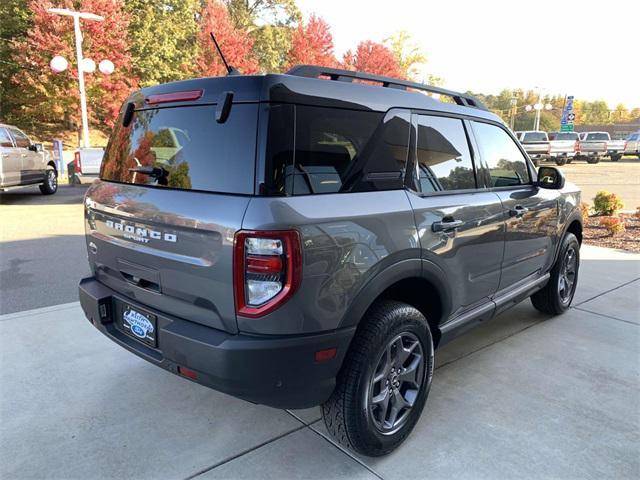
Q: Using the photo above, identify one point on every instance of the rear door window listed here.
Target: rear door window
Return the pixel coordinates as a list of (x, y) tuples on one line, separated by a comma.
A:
[(185, 148), (506, 164), (334, 150), (597, 137), (443, 155)]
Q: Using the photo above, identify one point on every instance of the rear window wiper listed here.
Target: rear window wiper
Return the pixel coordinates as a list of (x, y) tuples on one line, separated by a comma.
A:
[(151, 171)]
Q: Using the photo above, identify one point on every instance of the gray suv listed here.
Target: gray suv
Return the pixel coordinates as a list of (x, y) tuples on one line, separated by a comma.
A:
[(311, 238)]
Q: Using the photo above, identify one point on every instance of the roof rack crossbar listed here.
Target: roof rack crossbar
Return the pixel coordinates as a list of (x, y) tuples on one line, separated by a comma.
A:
[(315, 71)]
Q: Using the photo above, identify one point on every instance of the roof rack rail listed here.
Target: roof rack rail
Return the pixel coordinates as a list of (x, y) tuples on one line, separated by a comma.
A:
[(315, 71)]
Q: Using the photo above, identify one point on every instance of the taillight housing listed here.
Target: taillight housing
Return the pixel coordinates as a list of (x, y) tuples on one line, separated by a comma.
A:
[(576, 147), (267, 268), (626, 144), (76, 162)]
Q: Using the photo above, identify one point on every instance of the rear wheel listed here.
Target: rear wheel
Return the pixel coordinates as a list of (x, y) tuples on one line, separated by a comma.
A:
[(615, 158), (384, 382), (593, 160), (555, 298), (561, 161), (50, 185)]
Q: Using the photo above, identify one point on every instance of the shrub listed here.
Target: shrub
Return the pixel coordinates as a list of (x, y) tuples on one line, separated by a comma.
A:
[(584, 207), (614, 225), (605, 203)]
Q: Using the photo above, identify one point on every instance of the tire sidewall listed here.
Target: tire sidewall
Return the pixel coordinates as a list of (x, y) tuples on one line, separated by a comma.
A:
[(402, 319), (47, 188), (569, 240)]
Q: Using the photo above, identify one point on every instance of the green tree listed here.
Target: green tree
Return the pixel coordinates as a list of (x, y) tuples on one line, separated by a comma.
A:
[(408, 54), (15, 21), (270, 23), (162, 36)]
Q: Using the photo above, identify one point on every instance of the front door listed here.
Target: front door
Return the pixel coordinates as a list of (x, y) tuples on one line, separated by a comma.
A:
[(30, 169), (460, 225), (530, 212), (10, 158)]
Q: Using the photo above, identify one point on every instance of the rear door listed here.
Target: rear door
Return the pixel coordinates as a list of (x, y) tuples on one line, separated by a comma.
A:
[(460, 224), (161, 223), (10, 158), (530, 212), (30, 161)]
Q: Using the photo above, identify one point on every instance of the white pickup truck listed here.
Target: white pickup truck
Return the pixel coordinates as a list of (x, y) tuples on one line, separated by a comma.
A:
[(86, 165), (593, 146), (563, 146)]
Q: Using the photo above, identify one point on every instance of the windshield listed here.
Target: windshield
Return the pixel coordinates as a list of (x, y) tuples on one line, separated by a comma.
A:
[(597, 136), (185, 148), (535, 137), (566, 136)]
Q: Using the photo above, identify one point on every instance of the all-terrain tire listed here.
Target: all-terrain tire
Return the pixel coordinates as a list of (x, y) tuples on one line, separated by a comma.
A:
[(50, 185), (346, 414), (550, 299)]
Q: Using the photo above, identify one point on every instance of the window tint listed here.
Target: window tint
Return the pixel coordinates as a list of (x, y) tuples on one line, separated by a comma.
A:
[(506, 164), (188, 149), (597, 136), (443, 156), (5, 139), (21, 139), (336, 150), (535, 137), (566, 136)]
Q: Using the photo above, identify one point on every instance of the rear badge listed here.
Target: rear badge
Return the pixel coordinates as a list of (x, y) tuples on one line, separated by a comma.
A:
[(140, 234)]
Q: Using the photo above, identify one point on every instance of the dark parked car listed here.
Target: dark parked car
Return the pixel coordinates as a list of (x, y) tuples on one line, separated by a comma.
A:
[(312, 238)]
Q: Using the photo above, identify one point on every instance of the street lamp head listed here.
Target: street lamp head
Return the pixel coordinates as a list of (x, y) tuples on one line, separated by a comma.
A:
[(58, 64), (528, 108), (548, 106), (106, 67), (88, 65)]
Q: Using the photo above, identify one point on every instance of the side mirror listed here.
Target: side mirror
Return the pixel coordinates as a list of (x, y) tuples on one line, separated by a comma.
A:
[(36, 147), (551, 178)]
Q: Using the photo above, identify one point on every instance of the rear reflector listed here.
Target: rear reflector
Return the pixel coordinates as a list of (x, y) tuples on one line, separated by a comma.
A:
[(185, 372), (326, 354), (187, 96)]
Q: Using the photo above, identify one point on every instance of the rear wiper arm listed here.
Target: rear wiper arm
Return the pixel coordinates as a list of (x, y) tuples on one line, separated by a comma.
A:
[(151, 171)]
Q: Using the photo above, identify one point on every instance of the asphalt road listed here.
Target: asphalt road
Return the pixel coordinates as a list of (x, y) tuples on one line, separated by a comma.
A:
[(42, 249), (621, 178)]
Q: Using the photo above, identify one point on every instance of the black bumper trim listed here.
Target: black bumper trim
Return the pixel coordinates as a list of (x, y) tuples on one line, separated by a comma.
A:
[(279, 371)]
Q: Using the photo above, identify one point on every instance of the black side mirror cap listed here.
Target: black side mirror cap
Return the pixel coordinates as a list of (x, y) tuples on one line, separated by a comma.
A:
[(550, 178)]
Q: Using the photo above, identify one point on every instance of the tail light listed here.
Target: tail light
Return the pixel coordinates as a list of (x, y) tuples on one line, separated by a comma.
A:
[(576, 147), (267, 268), (77, 166), (548, 149), (606, 147), (625, 146)]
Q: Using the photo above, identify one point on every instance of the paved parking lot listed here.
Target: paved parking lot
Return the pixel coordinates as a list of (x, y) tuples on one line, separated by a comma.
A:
[(521, 397)]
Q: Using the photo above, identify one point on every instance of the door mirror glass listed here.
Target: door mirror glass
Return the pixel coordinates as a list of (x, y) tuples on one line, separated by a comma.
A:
[(551, 178), (36, 147)]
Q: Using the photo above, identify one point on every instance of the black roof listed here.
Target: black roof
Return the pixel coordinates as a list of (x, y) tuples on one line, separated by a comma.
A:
[(305, 85)]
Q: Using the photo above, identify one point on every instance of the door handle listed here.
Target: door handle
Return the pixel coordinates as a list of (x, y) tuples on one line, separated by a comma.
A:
[(446, 225), (518, 211)]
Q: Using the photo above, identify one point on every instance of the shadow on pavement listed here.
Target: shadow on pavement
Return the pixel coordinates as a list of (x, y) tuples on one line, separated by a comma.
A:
[(65, 195)]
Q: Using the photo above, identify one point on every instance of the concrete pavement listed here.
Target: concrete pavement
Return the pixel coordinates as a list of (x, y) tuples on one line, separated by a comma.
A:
[(524, 396)]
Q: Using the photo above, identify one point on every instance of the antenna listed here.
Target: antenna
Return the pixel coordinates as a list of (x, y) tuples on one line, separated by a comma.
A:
[(230, 69)]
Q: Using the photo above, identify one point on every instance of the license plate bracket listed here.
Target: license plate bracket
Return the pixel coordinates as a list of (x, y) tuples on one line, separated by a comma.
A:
[(141, 325)]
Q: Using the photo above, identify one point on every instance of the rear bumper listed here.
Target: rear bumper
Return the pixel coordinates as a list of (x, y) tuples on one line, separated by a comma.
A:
[(277, 371)]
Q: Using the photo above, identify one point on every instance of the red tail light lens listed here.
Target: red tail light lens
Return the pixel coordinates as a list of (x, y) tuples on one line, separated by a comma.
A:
[(267, 269), (576, 147), (76, 162)]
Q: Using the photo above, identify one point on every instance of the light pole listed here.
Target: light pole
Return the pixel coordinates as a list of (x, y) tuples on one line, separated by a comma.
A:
[(514, 106), (78, 38)]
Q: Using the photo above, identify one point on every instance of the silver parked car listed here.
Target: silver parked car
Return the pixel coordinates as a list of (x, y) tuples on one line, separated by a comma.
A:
[(632, 144), (23, 162)]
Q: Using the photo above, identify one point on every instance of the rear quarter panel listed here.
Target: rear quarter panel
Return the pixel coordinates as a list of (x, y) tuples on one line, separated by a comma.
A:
[(347, 239)]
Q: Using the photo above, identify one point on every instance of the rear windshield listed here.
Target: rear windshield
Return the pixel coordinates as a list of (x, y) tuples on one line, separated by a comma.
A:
[(185, 148), (634, 136), (566, 136), (535, 137), (597, 136)]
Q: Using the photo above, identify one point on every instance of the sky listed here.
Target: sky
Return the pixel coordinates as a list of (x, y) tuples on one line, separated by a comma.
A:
[(583, 48)]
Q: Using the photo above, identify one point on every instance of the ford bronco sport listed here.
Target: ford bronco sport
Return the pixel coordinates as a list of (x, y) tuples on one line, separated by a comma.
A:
[(311, 238)]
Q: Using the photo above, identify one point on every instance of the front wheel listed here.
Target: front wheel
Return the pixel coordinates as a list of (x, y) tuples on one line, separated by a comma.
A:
[(555, 298), (50, 185), (384, 382)]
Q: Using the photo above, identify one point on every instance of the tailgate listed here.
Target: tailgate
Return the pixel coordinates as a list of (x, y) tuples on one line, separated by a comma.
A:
[(90, 160), (173, 253)]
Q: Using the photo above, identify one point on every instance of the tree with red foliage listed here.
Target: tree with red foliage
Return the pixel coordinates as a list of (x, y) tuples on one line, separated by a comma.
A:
[(372, 57), (49, 96), (235, 44), (312, 44)]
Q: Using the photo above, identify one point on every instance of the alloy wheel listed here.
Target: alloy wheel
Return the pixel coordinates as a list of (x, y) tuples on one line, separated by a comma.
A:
[(567, 279)]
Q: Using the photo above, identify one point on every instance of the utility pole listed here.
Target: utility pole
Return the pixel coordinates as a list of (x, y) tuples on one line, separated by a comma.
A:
[(512, 119), (78, 39)]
